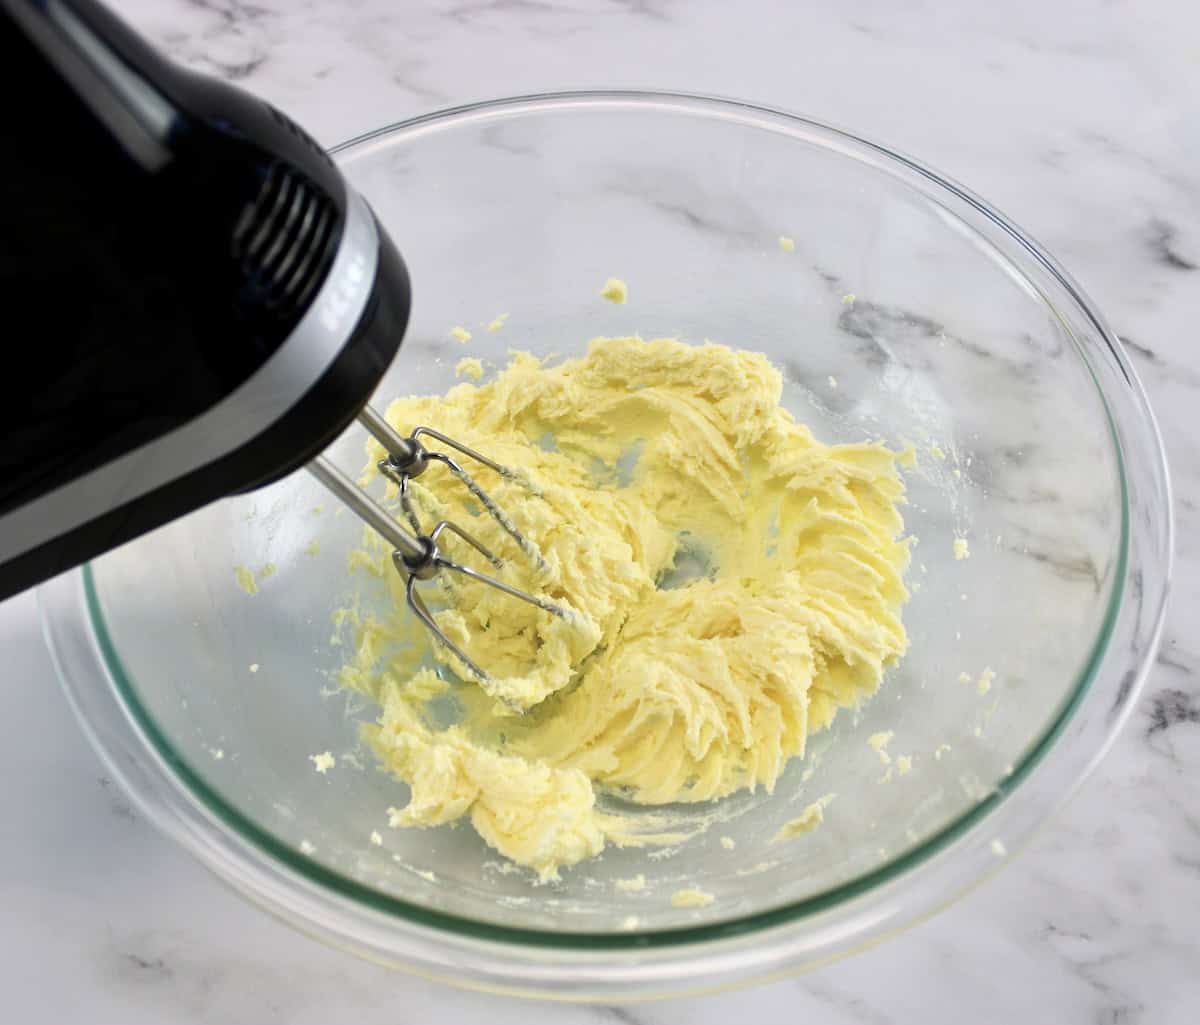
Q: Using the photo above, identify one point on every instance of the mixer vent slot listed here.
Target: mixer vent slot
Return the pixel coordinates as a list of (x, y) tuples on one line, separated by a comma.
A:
[(283, 241)]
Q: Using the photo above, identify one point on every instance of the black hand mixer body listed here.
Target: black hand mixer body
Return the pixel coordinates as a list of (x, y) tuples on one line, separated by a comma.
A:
[(196, 302)]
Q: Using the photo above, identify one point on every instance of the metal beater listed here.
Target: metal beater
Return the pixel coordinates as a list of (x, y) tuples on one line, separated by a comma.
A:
[(223, 303), (416, 554)]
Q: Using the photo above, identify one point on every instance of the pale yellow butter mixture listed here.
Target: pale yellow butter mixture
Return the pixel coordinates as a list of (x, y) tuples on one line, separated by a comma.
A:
[(734, 582)]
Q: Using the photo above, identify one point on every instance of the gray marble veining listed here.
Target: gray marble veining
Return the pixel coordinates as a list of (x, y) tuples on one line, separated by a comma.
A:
[(1079, 119)]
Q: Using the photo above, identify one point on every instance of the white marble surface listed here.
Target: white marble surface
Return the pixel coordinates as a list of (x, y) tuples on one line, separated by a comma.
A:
[(1079, 119)]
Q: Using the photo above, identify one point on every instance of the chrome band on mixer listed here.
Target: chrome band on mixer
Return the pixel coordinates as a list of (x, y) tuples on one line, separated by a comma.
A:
[(245, 413)]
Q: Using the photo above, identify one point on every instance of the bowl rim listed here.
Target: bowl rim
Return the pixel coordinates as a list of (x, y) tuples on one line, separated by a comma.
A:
[(201, 803)]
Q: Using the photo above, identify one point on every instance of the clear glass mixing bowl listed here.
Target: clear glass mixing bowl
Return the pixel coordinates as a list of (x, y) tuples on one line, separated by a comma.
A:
[(908, 310)]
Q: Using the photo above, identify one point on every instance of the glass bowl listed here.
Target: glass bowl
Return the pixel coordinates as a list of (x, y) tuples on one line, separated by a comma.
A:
[(904, 309)]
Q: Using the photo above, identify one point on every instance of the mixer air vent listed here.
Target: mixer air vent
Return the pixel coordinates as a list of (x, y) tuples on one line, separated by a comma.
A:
[(284, 241)]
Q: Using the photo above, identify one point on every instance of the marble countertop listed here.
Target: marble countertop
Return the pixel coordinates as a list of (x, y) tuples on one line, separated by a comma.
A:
[(1081, 120)]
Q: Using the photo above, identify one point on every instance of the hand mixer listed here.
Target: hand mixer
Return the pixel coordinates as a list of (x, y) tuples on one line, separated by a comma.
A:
[(200, 304)]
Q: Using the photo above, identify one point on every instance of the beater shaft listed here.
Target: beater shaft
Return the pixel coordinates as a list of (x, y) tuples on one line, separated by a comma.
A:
[(416, 554), (369, 511)]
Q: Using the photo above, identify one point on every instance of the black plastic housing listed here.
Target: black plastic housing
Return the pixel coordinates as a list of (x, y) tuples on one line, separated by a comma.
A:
[(162, 233)]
